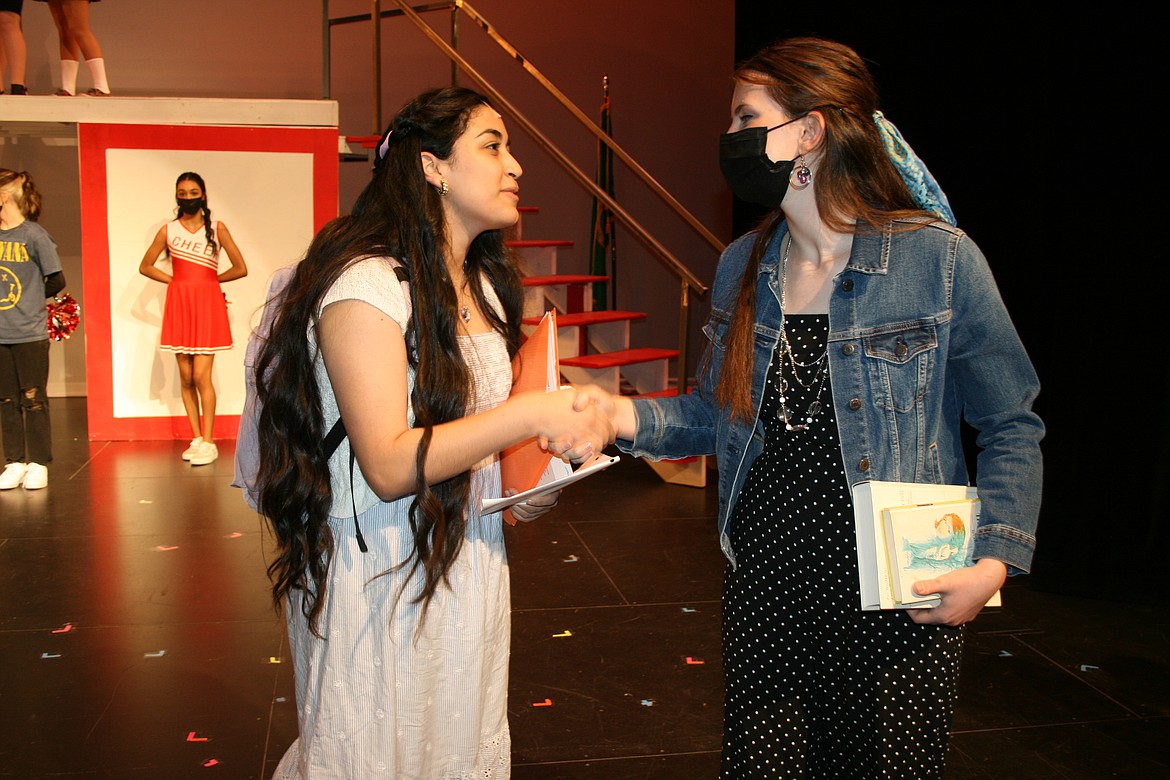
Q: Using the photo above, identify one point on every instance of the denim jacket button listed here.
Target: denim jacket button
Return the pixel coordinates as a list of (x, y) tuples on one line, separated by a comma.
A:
[(847, 285), (855, 404), (848, 349), (863, 465)]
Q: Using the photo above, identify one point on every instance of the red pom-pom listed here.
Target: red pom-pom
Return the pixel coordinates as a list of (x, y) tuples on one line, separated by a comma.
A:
[(64, 316)]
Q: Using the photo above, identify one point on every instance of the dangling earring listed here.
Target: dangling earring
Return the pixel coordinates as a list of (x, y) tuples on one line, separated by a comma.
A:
[(443, 188), (801, 175)]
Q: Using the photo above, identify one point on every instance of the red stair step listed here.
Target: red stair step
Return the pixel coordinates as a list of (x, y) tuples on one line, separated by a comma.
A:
[(589, 318), (623, 357), (558, 279)]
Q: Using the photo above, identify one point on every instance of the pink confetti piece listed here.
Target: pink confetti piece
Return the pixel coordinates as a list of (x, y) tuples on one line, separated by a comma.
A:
[(211, 762), (192, 738), (545, 703), (234, 535), (65, 629), (695, 661), (160, 548), (566, 632)]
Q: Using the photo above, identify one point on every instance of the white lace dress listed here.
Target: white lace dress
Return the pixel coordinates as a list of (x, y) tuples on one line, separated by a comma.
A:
[(380, 696)]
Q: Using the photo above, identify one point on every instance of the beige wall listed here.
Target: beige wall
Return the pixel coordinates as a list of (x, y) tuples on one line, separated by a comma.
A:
[(668, 67)]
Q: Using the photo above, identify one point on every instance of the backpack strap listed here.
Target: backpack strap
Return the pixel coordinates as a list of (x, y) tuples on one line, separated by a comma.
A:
[(334, 438), (337, 433)]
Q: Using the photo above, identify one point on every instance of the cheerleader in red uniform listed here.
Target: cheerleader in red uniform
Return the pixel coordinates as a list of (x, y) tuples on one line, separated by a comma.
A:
[(195, 321)]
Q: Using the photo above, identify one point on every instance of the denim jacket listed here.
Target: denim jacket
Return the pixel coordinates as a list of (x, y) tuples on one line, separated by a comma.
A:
[(919, 340)]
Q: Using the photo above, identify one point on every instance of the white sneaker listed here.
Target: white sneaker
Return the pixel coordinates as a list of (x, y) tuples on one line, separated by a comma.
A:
[(36, 477), (206, 453), (13, 475), (190, 451)]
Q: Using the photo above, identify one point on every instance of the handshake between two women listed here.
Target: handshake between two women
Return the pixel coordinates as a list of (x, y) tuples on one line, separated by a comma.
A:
[(585, 420)]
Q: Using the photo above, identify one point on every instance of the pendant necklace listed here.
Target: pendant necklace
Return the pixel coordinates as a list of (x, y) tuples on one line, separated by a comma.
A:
[(821, 364), (465, 314)]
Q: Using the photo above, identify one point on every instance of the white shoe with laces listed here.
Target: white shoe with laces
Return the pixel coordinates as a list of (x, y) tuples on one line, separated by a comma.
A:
[(190, 451), (207, 453), (13, 475), (36, 477)]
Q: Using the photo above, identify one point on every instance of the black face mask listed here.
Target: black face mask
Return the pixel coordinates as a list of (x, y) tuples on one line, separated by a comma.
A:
[(747, 169), (190, 205)]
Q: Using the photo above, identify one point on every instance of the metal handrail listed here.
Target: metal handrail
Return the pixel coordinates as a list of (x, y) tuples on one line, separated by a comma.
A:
[(327, 25), (688, 281), (572, 108), (543, 142)]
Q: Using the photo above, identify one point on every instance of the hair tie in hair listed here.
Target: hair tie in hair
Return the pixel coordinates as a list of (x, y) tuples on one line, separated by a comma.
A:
[(923, 186)]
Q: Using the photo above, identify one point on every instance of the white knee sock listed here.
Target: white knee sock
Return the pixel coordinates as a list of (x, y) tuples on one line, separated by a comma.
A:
[(97, 72), (69, 76)]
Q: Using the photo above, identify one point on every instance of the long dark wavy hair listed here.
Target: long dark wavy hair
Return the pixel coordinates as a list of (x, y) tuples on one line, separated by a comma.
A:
[(857, 186), (207, 229), (397, 215)]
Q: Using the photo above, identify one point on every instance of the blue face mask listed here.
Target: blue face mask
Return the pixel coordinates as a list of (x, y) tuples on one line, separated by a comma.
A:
[(749, 173)]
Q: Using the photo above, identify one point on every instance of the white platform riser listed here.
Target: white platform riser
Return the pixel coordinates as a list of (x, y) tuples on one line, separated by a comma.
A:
[(605, 378), (648, 377)]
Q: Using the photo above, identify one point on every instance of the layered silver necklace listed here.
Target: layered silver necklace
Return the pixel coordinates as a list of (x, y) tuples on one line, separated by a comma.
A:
[(816, 371)]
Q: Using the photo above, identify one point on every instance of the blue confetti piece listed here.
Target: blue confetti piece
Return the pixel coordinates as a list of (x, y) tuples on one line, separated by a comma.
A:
[(50, 655), (571, 559), (688, 609), (647, 702), (1087, 667), (159, 654), (1004, 654)]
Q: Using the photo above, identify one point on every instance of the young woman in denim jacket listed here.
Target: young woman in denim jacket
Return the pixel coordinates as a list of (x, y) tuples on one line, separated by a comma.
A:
[(849, 336)]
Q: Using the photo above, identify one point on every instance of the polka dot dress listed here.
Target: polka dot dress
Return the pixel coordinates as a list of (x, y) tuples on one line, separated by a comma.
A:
[(816, 688)]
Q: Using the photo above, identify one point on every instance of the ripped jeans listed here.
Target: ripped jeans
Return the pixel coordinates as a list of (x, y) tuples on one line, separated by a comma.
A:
[(24, 407)]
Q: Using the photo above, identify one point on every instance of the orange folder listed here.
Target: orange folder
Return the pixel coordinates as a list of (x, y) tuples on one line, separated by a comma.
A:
[(535, 367)]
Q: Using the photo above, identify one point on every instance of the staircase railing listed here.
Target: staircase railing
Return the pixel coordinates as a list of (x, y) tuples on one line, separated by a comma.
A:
[(688, 282)]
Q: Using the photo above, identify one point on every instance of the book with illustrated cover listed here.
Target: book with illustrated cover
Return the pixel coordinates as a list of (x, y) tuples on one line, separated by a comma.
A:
[(926, 540), (876, 575)]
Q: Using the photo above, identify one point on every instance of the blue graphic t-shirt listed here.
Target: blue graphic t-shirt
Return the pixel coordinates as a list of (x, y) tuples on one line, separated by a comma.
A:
[(27, 255)]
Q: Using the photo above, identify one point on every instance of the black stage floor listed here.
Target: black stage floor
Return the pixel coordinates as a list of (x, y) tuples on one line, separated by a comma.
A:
[(137, 638)]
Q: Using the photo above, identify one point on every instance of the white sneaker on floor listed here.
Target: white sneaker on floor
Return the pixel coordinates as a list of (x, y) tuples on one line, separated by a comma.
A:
[(206, 453), (13, 475), (190, 451), (36, 477)]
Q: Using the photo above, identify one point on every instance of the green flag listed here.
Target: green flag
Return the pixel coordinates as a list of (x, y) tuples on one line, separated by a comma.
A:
[(602, 242)]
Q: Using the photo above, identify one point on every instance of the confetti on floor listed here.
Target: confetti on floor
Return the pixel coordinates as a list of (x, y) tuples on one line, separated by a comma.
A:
[(192, 738), (65, 629), (545, 703)]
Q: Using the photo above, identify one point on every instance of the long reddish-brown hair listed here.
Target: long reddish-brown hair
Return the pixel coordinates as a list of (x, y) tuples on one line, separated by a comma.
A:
[(857, 186)]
